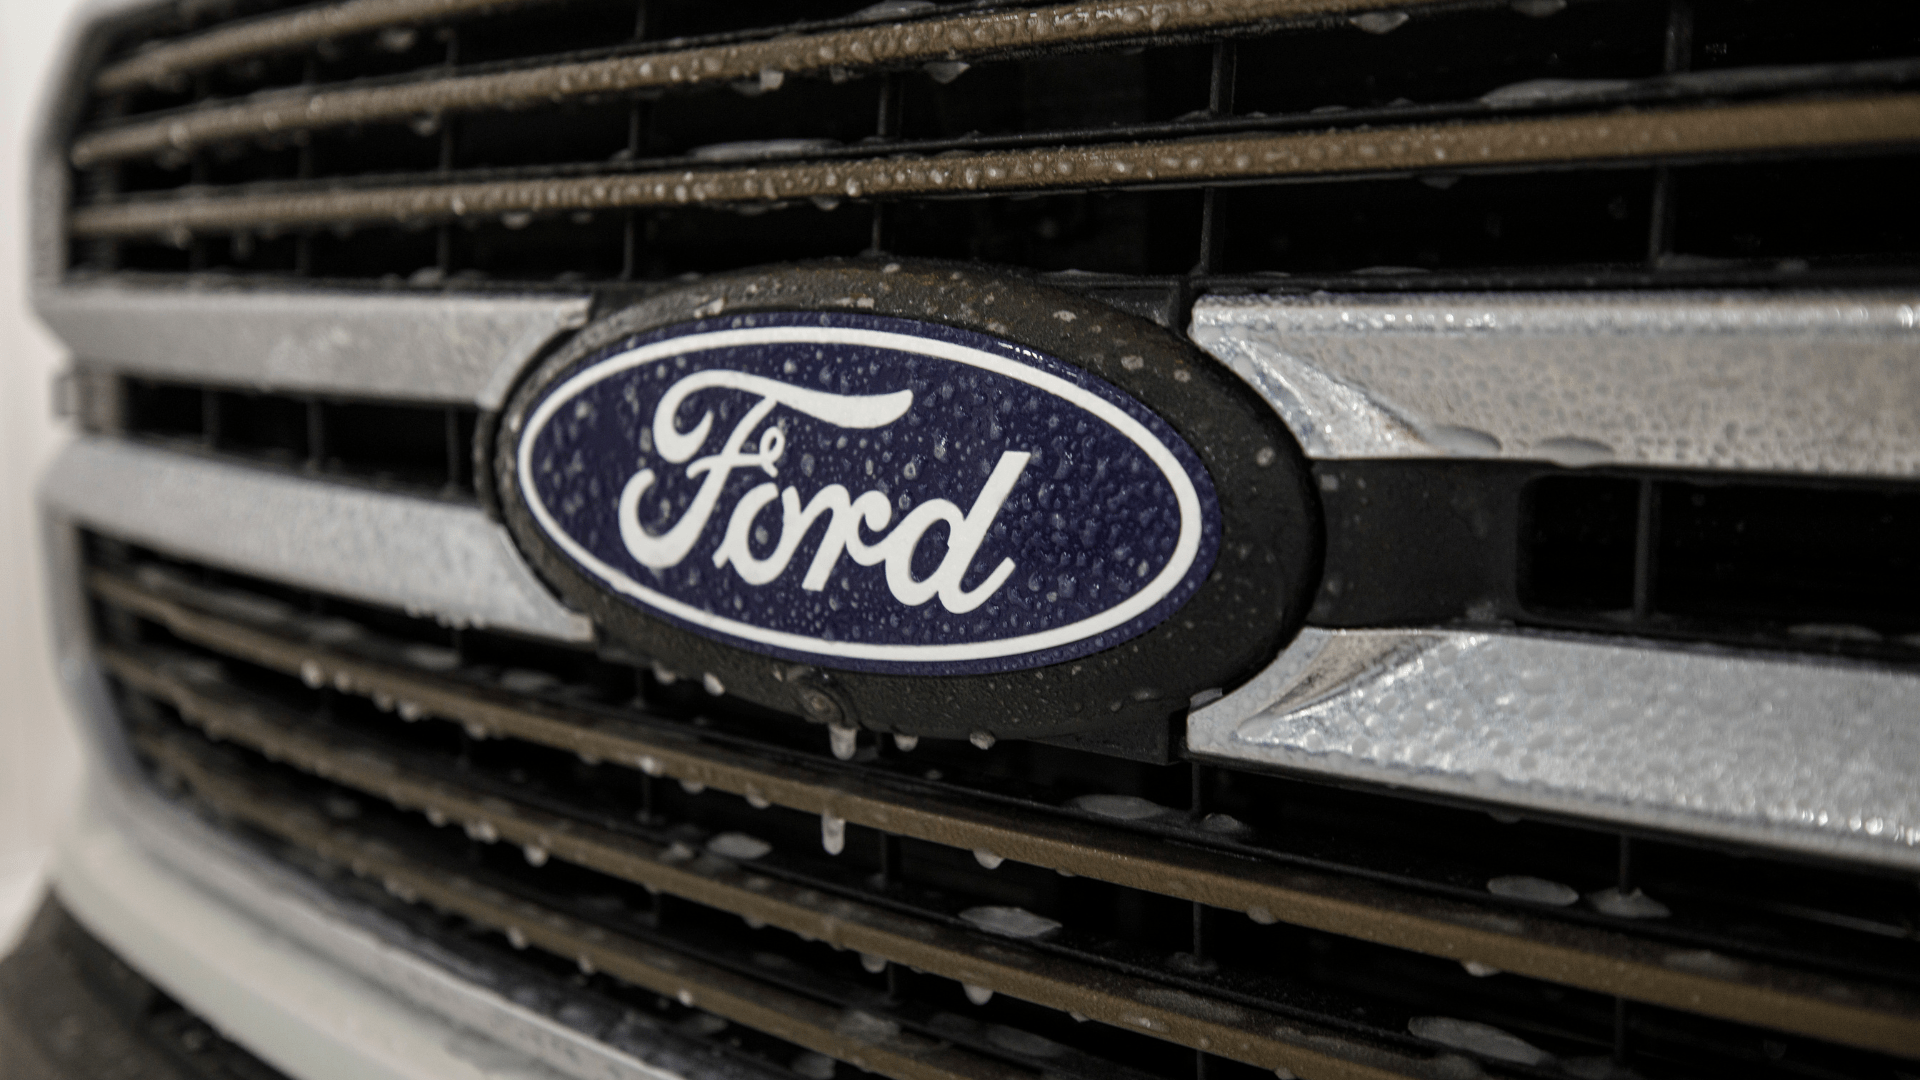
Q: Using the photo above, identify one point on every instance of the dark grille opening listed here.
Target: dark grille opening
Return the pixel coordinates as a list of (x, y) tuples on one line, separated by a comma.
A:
[(1797, 561), (1743, 33), (1822, 562), (426, 448), (1144, 233), (164, 409), (1061, 93), (1739, 903), (1580, 554), (1809, 210), (1438, 222), (1813, 565), (1459, 58)]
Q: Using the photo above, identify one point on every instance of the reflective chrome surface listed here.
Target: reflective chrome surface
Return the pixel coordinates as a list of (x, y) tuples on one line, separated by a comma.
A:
[(434, 558), (1816, 757), (1821, 384), (424, 347)]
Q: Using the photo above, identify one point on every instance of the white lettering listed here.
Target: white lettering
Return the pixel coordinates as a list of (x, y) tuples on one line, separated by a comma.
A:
[(846, 515)]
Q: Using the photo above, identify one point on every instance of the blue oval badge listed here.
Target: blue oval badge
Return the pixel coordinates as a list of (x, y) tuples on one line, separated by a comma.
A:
[(869, 493)]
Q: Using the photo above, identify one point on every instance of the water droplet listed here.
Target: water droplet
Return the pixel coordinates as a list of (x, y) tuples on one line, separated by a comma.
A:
[(1380, 22), (757, 800), (1122, 807), (713, 685), (945, 71), (692, 787), (1479, 970), (906, 743), (844, 740), (873, 964), (1539, 9), (1477, 1038), (516, 937), (482, 831), (411, 711), (738, 845), (312, 674), (979, 995), (1627, 905), (649, 765), (981, 739), (685, 997), (1533, 890), (536, 855), (1262, 916), (814, 1066), (1078, 1018), (436, 817), (1010, 921), (585, 964), (833, 834), (987, 858)]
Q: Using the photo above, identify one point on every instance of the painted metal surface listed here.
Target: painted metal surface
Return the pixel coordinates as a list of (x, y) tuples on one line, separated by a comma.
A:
[(1818, 383), (439, 559), (424, 347), (1786, 753)]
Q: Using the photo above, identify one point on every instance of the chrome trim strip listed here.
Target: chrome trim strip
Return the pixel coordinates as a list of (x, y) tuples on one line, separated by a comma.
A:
[(1826, 384), (1815, 757), (426, 347), (1597, 139), (440, 559)]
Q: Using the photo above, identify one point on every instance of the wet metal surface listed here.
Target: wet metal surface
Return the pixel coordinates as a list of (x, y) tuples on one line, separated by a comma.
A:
[(967, 37), (1540, 947), (1590, 139)]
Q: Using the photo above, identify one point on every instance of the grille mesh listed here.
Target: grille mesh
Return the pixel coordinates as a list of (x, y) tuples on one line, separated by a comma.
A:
[(587, 786), (527, 145)]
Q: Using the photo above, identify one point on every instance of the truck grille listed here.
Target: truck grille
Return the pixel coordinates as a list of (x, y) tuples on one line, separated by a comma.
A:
[(1088, 906), (1230, 141), (630, 821)]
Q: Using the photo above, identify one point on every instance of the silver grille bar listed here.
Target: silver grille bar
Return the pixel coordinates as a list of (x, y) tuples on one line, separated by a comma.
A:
[(1816, 383), (440, 559), (456, 348)]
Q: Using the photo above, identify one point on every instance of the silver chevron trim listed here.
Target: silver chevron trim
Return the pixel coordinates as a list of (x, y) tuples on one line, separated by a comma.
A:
[(432, 558), (1810, 756), (1825, 384), (428, 347)]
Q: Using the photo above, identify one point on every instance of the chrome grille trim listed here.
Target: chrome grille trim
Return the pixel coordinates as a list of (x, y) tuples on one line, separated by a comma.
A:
[(458, 348), (1653, 135), (1798, 755), (442, 559), (1824, 384)]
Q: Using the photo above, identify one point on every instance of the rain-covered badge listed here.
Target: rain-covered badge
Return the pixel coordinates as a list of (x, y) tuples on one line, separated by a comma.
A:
[(869, 493)]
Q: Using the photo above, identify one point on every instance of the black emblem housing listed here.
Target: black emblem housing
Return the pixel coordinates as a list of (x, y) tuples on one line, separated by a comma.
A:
[(1249, 606)]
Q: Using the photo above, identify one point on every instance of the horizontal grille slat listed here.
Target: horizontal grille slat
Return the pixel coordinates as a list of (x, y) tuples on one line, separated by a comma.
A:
[(1679, 134), (1001, 966), (790, 1016), (167, 61), (964, 37), (444, 559)]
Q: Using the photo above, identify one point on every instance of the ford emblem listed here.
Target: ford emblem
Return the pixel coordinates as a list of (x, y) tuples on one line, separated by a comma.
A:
[(823, 494)]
